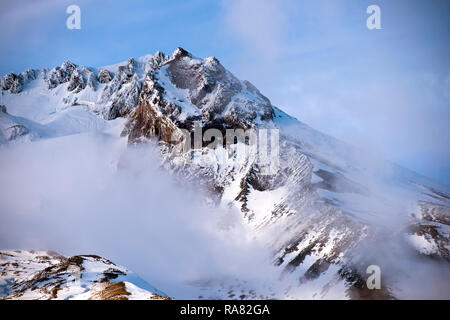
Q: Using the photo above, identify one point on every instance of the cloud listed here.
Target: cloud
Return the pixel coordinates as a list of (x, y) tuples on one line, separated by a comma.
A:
[(404, 119), (90, 194)]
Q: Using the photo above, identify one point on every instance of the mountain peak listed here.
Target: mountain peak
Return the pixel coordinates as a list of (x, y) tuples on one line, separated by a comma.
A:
[(183, 90), (180, 52)]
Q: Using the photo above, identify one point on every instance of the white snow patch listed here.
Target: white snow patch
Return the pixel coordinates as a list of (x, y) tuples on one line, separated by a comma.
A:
[(422, 244)]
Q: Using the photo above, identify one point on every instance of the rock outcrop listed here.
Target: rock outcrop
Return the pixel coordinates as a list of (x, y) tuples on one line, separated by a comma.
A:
[(47, 275)]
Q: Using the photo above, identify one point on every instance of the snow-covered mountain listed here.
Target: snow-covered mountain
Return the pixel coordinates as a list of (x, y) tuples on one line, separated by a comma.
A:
[(328, 211), (44, 275)]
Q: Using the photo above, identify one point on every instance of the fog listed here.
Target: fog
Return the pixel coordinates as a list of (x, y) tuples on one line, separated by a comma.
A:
[(91, 194), (94, 194)]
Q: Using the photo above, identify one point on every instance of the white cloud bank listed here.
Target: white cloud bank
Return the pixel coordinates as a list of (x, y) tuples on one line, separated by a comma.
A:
[(90, 194)]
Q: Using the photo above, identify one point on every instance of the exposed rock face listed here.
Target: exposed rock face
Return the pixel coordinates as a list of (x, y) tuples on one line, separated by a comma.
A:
[(28, 75), (16, 131), (212, 89), (104, 76), (154, 116), (11, 83), (77, 76), (59, 75), (430, 230), (76, 82), (128, 94), (47, 275), (122, 92)]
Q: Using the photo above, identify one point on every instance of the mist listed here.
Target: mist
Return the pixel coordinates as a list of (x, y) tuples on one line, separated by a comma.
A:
[(92, 194)]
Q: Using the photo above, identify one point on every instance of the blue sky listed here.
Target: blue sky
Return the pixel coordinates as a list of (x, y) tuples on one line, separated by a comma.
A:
[(388, 89)]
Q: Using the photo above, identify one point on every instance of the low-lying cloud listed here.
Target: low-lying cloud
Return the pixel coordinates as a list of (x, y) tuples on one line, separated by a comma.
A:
[(90, 194)]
